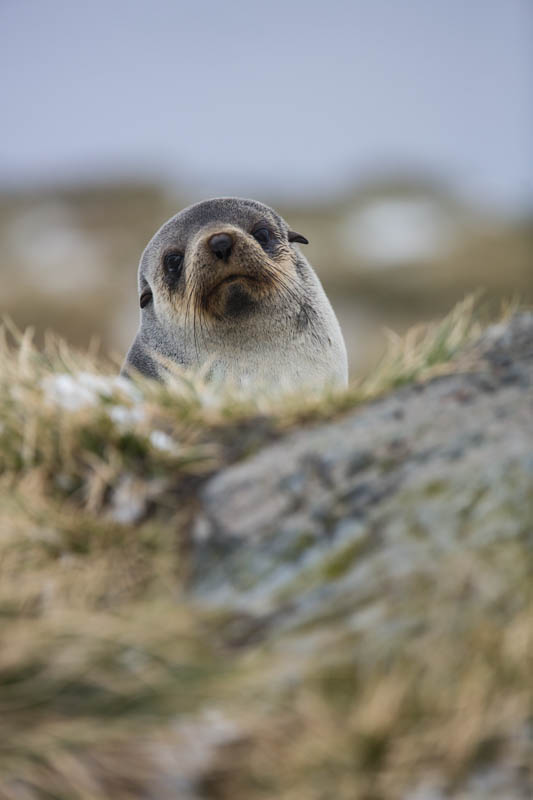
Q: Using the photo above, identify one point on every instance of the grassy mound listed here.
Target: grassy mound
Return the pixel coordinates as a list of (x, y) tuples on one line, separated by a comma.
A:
[(114, 683)]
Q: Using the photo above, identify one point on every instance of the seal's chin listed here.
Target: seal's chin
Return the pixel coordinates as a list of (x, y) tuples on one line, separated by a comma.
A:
[(234, 296), (239, 302)]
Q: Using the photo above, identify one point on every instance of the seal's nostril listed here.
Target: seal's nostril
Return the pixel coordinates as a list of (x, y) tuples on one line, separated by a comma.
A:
[(221, 244)]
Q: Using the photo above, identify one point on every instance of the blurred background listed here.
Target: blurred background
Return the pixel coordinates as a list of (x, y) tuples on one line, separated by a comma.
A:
[(396, 136)]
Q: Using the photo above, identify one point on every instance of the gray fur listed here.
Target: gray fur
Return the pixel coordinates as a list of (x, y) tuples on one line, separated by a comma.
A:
[(285, 336)]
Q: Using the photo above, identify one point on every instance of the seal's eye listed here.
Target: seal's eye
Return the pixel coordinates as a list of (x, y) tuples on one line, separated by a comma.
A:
[(172, 263), (262, 235)]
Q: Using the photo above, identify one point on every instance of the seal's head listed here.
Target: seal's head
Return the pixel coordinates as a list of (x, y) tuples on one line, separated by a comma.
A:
[(222, 283)]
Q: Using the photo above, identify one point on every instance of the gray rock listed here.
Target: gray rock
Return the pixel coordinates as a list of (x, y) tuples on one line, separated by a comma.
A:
[(390, 537), (450, 471)]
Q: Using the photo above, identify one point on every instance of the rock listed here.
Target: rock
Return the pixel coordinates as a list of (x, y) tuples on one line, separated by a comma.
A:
[(392, 545), (424, 470)]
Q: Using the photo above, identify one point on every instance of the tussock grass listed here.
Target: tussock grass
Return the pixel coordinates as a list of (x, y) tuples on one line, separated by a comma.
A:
[(110, 678), (64, 416)]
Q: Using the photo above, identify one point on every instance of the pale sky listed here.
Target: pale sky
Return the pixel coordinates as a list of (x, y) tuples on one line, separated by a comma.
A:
[(279, 99)]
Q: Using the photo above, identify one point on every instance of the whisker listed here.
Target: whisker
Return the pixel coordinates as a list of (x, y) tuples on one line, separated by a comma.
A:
[(281, 282), (188, 299), (285, 286), (199, 317)]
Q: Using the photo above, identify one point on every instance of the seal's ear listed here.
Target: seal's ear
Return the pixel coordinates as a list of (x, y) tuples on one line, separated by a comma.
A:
[(297, 237), (146, 296)]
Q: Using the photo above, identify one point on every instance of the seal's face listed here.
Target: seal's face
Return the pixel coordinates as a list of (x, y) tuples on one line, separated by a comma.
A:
[(216, 262), (223, 287)]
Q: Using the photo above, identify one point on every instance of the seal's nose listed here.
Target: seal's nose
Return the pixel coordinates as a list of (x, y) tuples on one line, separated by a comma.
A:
[(221, 244)]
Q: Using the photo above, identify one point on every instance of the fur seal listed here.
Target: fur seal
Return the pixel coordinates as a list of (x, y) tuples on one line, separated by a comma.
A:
[(223, 286)]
